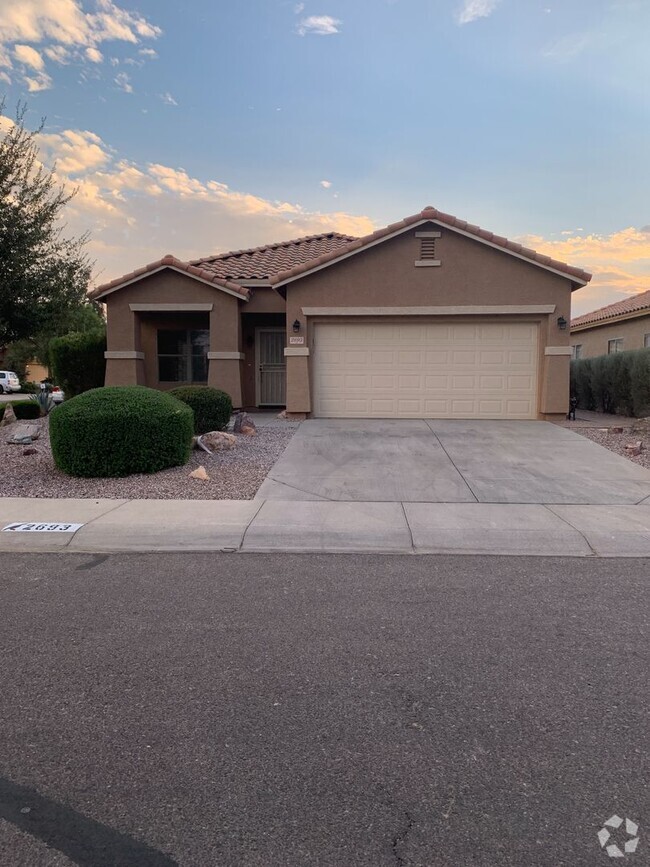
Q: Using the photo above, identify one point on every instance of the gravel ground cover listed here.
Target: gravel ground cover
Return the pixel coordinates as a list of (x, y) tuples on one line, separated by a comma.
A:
[(616, 442), (234, 475)]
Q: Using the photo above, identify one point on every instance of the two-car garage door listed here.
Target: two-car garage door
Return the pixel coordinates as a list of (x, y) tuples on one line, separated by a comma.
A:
[(375, 369)]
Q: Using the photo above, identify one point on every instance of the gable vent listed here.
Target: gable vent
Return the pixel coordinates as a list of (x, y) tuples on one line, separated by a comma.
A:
[(427, 249)]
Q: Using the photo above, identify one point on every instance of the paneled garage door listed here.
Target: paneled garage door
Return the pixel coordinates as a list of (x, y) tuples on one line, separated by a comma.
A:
[(425, 370)]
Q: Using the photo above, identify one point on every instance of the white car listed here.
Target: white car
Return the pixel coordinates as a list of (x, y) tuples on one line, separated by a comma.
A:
[(9, 382)]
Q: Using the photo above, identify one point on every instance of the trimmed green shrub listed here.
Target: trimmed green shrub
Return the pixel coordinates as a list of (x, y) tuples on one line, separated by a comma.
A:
[(120, 430), (640, 383), (212, 408), (617, 383), (24, 409), (78, 362)]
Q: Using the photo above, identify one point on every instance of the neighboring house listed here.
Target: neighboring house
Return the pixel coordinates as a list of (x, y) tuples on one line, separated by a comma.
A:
[(427, 318), (619, 326)]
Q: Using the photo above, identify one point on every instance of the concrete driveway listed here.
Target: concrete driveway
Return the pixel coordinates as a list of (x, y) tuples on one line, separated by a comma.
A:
[(451, 461)]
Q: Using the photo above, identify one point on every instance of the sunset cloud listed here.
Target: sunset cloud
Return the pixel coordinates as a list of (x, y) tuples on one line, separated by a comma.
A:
[(137, 212), (620, 263), (66, 32)]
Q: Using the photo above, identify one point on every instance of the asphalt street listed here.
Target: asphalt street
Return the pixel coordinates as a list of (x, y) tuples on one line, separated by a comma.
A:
[(285, 711)]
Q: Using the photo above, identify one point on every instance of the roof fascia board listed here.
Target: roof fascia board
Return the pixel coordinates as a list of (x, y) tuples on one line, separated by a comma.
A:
[(178, 271)]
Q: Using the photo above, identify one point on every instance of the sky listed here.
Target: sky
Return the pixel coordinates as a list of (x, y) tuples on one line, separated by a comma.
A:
[(204, 126)]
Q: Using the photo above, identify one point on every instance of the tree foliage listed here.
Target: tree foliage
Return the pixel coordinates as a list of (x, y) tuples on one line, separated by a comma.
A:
[(44, 275)]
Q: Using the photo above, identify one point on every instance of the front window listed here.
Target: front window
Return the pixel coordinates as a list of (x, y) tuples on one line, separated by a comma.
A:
[(615, 345), (183, 355), (646, 341), (576, 351)]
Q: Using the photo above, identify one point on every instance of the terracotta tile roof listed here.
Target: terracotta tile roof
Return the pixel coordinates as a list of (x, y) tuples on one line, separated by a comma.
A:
[(262, 263), (635, 303), (430, 213), (172, 261)]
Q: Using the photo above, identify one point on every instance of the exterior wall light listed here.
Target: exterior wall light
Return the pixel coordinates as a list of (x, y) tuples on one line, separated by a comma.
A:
[(562, 323), (296, 326)]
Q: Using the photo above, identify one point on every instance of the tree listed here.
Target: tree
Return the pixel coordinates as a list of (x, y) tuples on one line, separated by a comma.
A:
[(44, 275)]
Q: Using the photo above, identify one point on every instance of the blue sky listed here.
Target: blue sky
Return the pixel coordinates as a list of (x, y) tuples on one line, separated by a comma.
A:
[(205, 126)]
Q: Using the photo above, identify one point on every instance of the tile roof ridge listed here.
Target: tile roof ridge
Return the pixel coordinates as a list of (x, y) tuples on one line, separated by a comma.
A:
[(593, 316), (272, 246), (169, 260), (431, 213)]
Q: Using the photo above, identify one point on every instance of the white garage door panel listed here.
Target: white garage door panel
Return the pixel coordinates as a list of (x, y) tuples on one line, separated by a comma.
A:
[(425, 370)]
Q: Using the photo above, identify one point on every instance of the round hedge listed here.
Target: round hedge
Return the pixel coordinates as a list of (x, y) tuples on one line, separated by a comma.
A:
[(212, 408), (120, 430)]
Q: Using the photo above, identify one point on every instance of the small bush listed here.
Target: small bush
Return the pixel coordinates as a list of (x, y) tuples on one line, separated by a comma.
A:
[(120, 430), (29, 387), (212, 408), (78, 362), (617, 383), (24, 409)]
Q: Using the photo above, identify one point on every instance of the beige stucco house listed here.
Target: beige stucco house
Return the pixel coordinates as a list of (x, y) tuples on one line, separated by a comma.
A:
[(430, 317), (615, 328)]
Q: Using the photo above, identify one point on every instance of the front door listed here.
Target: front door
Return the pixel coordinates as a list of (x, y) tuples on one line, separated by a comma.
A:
[(271, 367)]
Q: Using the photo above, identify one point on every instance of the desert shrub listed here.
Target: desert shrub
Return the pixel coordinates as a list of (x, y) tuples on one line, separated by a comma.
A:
[(640, 383), (617, 383), (29, 387), (212, 408), (120, 430), (78, 362), (581, 383), (26, 409)]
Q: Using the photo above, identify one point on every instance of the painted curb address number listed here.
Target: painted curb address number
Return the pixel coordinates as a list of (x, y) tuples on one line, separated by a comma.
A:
[(41, 528)]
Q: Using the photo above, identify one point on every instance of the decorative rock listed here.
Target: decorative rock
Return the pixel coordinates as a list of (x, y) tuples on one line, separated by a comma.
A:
[(216, 441), (243, 420), (200, 474), (9, 417), (634, 448), (248, 431), (30, 451), (282, 414), (616, 430), (24, 435)]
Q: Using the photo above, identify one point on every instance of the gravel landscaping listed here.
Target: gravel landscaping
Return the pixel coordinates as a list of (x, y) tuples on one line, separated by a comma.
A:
[(616, 441), (234, 475)]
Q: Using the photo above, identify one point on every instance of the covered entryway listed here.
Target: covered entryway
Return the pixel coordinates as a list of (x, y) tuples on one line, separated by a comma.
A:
[(408, 369), (271, 374)]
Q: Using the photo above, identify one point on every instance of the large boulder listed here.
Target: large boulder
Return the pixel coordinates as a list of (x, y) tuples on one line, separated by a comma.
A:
[(24, 435), (216, 441)]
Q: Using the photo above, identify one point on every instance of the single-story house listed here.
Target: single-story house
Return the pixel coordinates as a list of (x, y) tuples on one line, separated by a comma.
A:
[(430, 317), (619, 326)]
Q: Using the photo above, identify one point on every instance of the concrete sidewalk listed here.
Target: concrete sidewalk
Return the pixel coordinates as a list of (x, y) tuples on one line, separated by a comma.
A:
[(318, 526)]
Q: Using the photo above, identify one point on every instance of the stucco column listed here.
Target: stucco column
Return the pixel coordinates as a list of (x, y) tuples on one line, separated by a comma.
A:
[(298, 393), (555, 391), (124, 355), (225, 357)]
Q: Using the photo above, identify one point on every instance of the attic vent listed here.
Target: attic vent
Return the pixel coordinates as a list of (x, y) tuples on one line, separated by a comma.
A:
[(427, 249)]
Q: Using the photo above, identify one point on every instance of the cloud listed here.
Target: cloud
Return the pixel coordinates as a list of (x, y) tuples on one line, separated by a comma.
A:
[(475, 9), (620, 263), (29, 56), (167, 98), (299, 8), (94, 55), (326, 184), (151, 53), (123, 82), (321, 25), (66, 33), (137, 212), (472, 10)]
